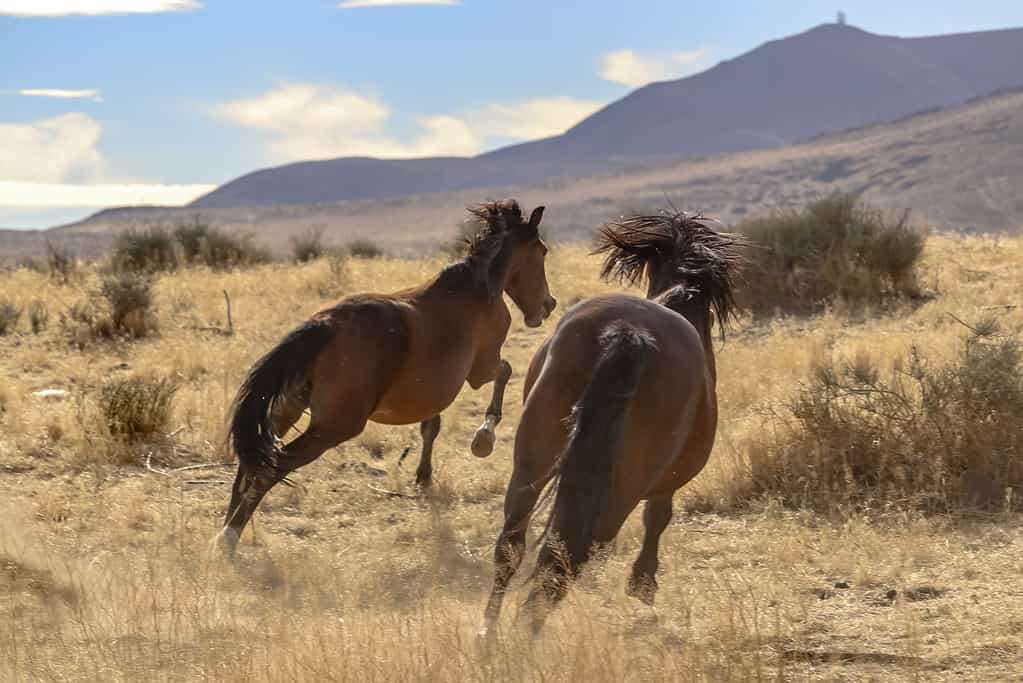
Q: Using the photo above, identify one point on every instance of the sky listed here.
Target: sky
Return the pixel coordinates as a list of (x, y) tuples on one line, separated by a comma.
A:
[(114, 102)]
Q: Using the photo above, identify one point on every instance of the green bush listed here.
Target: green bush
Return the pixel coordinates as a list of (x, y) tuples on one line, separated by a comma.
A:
[(365, 249), (308, 246), (857, 437), (158, 248), (837, 250), (137, 408), (149, 250), (225, 251)]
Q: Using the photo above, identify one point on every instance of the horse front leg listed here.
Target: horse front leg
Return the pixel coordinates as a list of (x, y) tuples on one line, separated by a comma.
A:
[(483, 441)]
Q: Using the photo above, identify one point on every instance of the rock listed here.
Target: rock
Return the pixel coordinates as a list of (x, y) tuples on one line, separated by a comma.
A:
[(51, 394), (841, 584)]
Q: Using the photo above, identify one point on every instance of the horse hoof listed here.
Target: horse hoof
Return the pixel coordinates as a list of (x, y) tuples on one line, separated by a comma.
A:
[(483, 443), (644, 591)]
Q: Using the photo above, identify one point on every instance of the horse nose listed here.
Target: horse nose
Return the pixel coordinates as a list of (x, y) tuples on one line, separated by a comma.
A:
[(549, 305)]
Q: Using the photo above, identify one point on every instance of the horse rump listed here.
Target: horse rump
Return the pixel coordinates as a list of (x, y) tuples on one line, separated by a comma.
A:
[(587, 466), (251, 430)]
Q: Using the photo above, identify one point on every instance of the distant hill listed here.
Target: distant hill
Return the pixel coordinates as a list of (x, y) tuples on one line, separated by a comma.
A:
[(829, 78), (958, 168)]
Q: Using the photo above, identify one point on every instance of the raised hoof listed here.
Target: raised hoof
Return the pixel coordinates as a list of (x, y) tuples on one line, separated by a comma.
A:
[(643, 590), (483, 443)]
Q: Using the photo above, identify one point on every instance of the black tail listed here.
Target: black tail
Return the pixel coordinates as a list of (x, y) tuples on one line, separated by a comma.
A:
[(251, 431), (587, 467)]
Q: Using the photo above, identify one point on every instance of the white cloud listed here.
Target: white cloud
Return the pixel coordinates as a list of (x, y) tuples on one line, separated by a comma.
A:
[(94, 95), (531, 119), (50, 150), (307, 121), (633, 69), (57, 8), (54, 162), (354, 4), (15, 193)]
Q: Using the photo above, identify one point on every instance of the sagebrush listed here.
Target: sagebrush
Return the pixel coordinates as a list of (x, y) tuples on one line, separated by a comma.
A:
[(835, 251), (857, 436)]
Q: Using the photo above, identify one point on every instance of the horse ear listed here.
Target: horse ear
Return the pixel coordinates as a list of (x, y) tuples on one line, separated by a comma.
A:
[(534, 218)]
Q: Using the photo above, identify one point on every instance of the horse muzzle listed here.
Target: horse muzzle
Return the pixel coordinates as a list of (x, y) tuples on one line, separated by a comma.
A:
[(549, 304)]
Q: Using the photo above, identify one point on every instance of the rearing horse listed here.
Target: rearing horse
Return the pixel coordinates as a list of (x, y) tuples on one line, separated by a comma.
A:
[(394, 359), (620, 405)]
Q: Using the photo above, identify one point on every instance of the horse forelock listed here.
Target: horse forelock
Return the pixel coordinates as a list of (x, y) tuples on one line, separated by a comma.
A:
[(498, 224)]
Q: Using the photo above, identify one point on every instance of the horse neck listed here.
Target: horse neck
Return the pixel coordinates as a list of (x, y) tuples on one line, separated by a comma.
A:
[(458, 291), (697, 311)]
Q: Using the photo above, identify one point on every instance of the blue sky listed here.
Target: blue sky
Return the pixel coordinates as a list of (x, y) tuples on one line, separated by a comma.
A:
[(154, 101)]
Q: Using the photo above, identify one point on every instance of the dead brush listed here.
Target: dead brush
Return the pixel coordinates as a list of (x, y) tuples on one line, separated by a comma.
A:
[(122, 307), (10, 314), (856, 437), (137, 409), (129, 297), (38, 316)]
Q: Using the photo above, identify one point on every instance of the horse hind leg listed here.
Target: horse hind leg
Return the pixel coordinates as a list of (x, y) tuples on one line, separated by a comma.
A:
[(486, 436), (429, 429), (523, 491), (643, 580), (251, 487), (288, 407)]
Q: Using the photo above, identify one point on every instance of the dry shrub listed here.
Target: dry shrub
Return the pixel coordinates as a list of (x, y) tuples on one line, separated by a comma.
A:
[(308, 246), (129, 298), (860, 438), (150, 250), (224, 251), (365, 249), (61, 264), (837, 250), (137, 408), (38, 316), (10, 314), (159, 249), (121, 308)]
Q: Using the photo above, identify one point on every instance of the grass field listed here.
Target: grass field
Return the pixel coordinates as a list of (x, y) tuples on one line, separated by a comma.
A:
[(105, 572)]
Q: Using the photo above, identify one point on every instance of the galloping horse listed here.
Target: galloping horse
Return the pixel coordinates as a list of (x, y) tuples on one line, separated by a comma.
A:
[(620, 405), (395, 359)]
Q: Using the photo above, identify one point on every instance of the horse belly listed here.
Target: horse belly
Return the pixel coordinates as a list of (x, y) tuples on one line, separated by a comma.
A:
[(417, 396)]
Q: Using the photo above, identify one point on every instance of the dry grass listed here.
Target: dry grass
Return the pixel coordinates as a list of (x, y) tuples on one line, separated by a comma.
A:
[(104, 571)]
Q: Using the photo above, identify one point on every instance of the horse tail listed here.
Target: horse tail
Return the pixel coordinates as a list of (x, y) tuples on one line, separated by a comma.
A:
[(587, 466), (251, 431)]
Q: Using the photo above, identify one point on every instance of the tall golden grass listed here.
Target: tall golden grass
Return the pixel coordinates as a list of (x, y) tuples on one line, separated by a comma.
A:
[(105, 572)]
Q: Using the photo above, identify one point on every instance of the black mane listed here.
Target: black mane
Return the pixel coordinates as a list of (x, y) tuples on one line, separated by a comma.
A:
[(493, 227), (700, 259)]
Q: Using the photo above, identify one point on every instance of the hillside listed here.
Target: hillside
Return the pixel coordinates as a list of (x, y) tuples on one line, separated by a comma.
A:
[(829, 78), (959, 168)]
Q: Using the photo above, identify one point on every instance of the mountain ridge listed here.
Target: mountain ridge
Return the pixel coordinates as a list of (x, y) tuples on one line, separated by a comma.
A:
[(829, 78)]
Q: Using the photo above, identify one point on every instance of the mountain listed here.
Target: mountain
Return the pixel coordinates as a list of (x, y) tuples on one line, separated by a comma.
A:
[(957, 168), (829, 78)]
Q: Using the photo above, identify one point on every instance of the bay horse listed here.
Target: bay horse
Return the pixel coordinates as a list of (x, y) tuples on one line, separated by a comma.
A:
[(620, 405), (395, 359)]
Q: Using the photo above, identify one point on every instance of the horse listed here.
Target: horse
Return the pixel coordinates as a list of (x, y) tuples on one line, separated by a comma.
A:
[(395, 359), (620, 406)]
